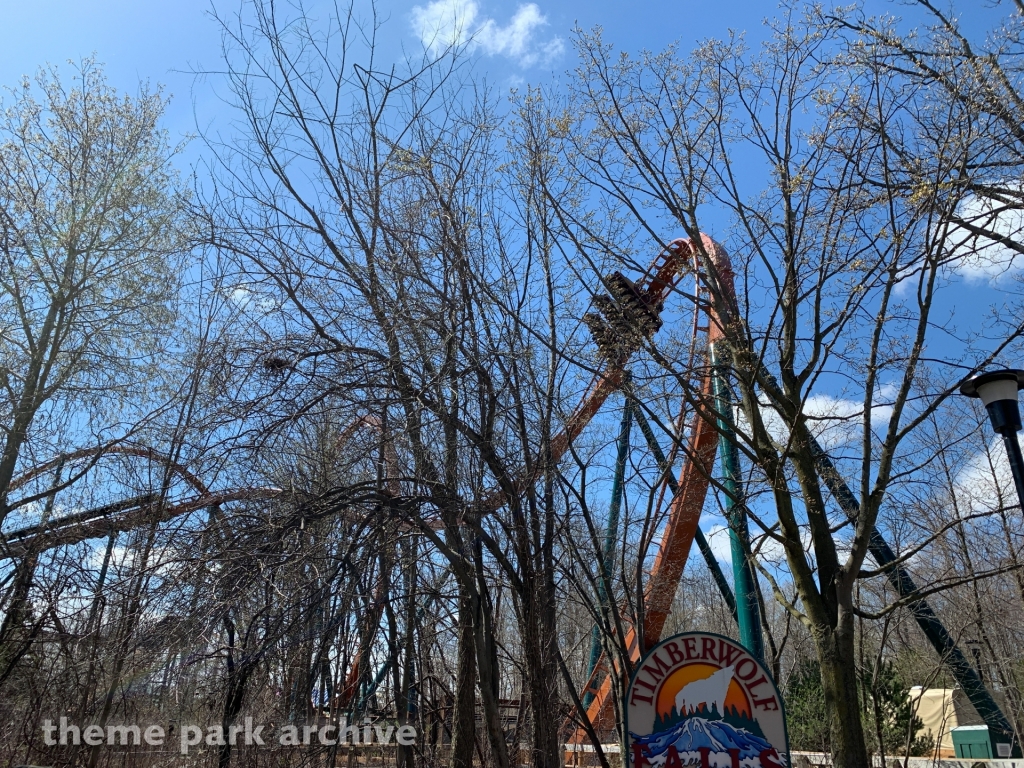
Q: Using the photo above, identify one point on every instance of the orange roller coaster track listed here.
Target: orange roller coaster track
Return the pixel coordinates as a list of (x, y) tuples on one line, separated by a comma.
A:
[(633, 312)]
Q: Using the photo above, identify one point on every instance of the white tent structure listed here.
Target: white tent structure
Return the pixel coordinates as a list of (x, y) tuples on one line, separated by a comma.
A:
[(941, 710)]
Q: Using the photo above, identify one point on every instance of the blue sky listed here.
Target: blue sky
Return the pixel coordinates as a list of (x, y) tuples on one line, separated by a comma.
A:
[(515, 42), (139, 39), (162, 42), (166, 42)]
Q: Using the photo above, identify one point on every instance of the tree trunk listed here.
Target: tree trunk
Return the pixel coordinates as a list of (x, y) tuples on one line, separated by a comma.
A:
[(464, 712), (12, 641), (487, 664), (837, 657), (542, 676), (405, 699), (238, 672), (122, 645)]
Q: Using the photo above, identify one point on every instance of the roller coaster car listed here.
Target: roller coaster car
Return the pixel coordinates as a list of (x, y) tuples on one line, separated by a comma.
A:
[(627, 318)]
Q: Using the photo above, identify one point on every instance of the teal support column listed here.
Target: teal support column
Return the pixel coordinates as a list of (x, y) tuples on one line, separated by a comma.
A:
[(673, 487), (611, 535), (744, 579)]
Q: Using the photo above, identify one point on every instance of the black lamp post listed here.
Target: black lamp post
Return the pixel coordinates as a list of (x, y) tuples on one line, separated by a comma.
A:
[(998, 391)]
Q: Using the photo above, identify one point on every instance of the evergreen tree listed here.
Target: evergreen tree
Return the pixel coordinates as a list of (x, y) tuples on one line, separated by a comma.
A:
[(806, 715), (890, 714)]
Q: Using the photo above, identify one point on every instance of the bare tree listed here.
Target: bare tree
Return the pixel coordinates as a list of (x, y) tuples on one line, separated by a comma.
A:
[(383, 233), (92, 238), (92, 235)]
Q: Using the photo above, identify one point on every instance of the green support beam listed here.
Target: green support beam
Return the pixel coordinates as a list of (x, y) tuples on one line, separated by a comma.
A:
[(744, 578), (611, 535)]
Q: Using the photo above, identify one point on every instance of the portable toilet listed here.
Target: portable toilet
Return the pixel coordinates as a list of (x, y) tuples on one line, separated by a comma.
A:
[(972, 741)]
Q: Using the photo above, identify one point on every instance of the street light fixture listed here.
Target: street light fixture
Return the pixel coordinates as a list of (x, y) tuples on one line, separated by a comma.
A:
[(998, 391)]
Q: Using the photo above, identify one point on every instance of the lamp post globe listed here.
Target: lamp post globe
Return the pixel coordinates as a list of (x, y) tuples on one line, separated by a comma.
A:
[(997, 390)]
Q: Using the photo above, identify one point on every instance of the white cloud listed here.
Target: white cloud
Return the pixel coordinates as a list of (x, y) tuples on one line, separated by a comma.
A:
[(240, 296), (977, 258), (446, 23), (769, 550), (984, 479), (984, 259), (836, 421), (718, 540), (245, 298), (833, 421)]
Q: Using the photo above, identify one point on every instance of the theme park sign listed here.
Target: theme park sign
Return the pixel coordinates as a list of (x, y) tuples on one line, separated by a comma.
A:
[(699, 699)]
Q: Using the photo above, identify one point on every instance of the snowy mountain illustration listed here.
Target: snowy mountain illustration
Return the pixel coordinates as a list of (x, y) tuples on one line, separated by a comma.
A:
[(721, 736)]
